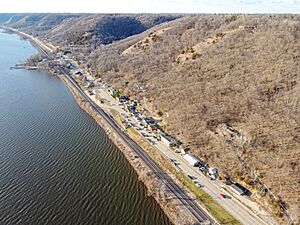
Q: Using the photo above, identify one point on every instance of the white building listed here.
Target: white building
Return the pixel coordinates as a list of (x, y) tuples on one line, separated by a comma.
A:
[(167, 140)]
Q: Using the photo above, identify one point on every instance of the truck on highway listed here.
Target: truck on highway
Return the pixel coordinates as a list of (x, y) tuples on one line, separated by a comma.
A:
[(213, 173), (192, 160)]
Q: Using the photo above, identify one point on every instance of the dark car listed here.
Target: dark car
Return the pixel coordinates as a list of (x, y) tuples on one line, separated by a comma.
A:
[(191, 177)]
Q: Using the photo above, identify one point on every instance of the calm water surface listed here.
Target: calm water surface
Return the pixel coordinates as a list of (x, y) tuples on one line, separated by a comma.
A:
[(57, 166)]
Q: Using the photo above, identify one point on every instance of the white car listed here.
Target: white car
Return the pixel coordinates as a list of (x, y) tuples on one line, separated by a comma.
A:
[(197, 183)]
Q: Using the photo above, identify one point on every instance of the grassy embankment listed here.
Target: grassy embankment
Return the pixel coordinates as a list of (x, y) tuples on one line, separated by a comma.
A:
[(219, 213)]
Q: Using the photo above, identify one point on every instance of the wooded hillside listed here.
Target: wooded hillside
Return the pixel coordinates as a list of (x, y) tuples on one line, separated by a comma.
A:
[(226, 86), (86, 30)]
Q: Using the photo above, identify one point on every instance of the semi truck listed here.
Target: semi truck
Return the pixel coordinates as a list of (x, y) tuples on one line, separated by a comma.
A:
[(192, 160)]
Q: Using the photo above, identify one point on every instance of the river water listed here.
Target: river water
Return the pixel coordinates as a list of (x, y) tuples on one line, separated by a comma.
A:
[(57, 166)]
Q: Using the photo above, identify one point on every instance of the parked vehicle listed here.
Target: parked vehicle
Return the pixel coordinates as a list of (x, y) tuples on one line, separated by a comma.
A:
[(177, 150), (197, 183), (192, 160), (191, 177), (213, 173), (223, 195), (174, 162)]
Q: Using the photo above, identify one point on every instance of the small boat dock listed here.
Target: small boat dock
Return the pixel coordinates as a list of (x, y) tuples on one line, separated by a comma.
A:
[(23, 67)]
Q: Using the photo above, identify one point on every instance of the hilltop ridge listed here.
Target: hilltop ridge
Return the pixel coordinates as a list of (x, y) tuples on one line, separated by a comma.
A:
[(88, 30), (226, 86)]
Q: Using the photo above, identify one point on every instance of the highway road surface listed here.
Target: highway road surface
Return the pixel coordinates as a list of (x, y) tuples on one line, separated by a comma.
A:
[(198, 212), (238, 206), (233, 206)]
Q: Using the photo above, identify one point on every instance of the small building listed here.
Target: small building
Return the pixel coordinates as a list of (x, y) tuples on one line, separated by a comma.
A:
[(123, 99), (183, 151), (168, 140)]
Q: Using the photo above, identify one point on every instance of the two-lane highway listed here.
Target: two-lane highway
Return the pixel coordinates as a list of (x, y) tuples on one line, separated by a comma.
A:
[(198, 212), (195, 209)]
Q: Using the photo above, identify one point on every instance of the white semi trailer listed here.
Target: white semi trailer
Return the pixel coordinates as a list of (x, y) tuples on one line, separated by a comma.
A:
[(192, 160)]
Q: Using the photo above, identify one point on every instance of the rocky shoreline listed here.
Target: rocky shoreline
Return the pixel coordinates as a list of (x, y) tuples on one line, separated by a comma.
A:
[(173, 208)]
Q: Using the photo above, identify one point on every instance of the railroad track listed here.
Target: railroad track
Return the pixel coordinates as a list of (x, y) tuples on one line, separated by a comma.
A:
[(172, 186), (182, 196)]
